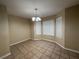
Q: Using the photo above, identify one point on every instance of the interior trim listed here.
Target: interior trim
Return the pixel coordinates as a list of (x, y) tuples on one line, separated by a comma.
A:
[(2, 57), (19, 42), (67, 48), (63, 46), (50, 41)]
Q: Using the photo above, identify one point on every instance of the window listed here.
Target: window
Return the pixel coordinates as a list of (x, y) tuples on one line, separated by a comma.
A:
[(48, 27), (37, 28), (59, 27)]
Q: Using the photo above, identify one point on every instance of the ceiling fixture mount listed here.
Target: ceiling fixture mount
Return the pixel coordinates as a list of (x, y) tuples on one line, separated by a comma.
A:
[(36, 17)]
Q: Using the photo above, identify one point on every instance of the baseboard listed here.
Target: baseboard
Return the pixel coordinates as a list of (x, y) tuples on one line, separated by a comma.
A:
[(64, 47), (67, 48), (72, 50), (2, 57), (19, 42), (60, 45), (50, 41)]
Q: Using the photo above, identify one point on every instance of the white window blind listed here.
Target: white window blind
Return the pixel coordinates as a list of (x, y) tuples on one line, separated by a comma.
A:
[(48, 27), (37, 28), (59, 27)]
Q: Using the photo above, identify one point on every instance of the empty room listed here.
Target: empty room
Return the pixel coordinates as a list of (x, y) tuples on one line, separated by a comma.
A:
[(39, 29)]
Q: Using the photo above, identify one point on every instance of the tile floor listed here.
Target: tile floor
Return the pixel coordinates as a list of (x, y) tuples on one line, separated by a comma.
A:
[(35, 49)]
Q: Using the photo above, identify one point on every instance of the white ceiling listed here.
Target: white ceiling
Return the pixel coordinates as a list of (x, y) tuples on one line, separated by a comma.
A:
[(25, 8)]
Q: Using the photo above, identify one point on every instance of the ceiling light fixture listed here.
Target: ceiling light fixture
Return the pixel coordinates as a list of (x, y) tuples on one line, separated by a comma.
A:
[(36, 17)]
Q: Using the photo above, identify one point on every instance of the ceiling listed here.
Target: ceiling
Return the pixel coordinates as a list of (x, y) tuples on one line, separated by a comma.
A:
[(25, 8)]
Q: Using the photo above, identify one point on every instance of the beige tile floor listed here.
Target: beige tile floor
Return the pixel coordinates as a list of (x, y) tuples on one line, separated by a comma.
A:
[(35, 49)]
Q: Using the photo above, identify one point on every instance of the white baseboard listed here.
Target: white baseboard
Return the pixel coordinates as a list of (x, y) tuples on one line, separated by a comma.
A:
[(64, 47), (2, 57), (19, 42), (72, 50), (60, 45), (67, 48), (50, 41)]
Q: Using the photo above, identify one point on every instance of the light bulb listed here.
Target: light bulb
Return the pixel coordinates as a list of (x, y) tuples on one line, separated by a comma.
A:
[(39, 19), (33, 18)]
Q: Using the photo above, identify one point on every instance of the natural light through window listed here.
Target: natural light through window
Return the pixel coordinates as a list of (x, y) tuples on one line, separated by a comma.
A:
[(37, 28), (48, 27)]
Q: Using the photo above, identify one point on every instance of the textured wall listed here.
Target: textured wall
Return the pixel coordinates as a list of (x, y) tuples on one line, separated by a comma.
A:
[(4, 31), (19, 28), (72, 27)]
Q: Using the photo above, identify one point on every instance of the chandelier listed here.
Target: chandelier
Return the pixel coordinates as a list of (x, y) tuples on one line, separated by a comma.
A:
[(36, 17)]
